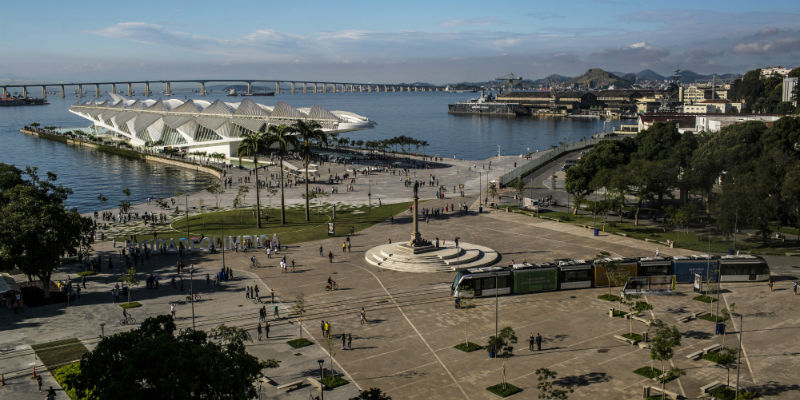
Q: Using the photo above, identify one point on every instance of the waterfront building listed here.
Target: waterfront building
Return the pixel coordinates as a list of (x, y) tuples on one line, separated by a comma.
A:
[(696, 93), (203, 126), (703, 122), (789, 87), (775, 71)]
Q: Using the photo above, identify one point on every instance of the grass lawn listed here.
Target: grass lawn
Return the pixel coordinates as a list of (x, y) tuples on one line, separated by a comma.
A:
[(692, 240), (723, 357), (642, 306), (300, 342), (654, 373), (621, 314), (468, 347), (608, 297), (711, 318), (332, 380), (297, 229), (504, 392), (633, 336), (133, 304), (55, 354), (704, 298), (87, 273)]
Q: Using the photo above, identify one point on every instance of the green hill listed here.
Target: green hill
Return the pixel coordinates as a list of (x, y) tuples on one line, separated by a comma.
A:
[(596, 78)]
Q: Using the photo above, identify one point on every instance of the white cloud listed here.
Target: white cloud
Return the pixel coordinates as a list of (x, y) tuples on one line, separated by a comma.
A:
[(779, 45)]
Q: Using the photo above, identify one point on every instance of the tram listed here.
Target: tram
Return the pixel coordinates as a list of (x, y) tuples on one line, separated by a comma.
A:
[(565, 274)]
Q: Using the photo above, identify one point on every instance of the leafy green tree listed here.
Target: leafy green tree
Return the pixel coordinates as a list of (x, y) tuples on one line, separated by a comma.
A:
[(372, 394), (254, 144), (308, 133), (664, 341), (36, 229), (153, 362), (503, 346), (549, 387), (215, 189), (131, 279), (299, 309), (280, 141), (125, 205)]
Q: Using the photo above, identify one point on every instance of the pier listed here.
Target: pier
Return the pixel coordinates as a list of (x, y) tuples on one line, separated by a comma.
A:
[(290, 86)]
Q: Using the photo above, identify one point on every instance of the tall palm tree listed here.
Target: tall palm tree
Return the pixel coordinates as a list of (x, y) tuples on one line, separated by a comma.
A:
[(279, 141), (307, 134), (253, 144)]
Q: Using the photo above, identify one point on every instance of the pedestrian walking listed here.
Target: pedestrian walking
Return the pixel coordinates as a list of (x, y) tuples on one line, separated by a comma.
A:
[(770, 284), (39, 381), (349, 341), (275, 312), (344, 341), (794, 288), (83, 281), (327, 329), (320, 251), (259, 331), (266, 329), (363, 316), (322, 327), (330, 257), (348, 246), (344, 247), (538, 342), (172, 310), (272, 296)]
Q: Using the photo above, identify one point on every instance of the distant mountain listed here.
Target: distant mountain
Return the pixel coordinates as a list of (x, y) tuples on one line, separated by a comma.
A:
[(649, 75), (596, 78), (555, 78), (689, 76)]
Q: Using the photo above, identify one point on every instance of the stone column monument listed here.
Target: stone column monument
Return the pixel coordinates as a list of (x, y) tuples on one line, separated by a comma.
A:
[(416, 237)]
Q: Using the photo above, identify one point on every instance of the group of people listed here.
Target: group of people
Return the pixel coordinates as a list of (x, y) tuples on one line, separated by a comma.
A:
[(535, 340)]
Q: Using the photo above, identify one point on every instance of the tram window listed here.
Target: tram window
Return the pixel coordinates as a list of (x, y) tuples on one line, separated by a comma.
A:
[(467, 284), (503, 281), (744, 269), (488, 283), (580, 275)]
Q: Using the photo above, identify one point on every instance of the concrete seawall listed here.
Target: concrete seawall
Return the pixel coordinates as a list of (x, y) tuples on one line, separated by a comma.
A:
[(143, 156)]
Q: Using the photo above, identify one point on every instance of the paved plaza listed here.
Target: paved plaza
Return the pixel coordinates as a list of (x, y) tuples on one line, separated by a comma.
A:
[(406, 347)]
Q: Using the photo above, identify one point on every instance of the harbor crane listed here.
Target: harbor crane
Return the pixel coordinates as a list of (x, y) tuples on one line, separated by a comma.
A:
[(508, 80)]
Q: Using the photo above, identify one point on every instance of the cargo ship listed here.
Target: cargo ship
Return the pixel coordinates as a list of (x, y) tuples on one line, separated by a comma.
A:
[(9, 101), (486, 105)]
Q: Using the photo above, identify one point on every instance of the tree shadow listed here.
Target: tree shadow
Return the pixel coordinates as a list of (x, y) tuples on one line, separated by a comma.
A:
[(697, 335), (773, 388), (583, 380)]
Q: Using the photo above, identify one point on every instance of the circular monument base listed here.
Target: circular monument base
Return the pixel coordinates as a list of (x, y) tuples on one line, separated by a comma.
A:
[(406, 258)]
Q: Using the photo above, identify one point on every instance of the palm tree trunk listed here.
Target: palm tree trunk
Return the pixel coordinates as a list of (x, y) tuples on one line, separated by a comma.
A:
[(283, 207), (258, 198), (308, 215)]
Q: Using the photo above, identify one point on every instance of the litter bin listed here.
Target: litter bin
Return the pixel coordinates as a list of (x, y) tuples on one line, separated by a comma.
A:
[(596, 231), (720, 328)]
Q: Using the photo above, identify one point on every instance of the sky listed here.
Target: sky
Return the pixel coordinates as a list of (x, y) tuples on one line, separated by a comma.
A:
[(388, 41)]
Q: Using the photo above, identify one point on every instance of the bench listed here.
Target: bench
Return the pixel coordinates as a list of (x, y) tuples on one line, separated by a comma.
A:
[(686, 318), (670, 394), (315, 383), (291, 385), (696, 355), (712, 348), (713, 385)]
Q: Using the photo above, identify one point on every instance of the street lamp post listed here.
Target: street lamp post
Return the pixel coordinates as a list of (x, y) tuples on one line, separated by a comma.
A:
[(188, 239), (191, 291), (321, 375), (739, 355), (496, 311)]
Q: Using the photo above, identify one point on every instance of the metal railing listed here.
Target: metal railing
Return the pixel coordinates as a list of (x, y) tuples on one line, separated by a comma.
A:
[(543, 157)]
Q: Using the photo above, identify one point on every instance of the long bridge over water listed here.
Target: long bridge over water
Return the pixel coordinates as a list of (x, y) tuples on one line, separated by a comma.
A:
[(293, 86)]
